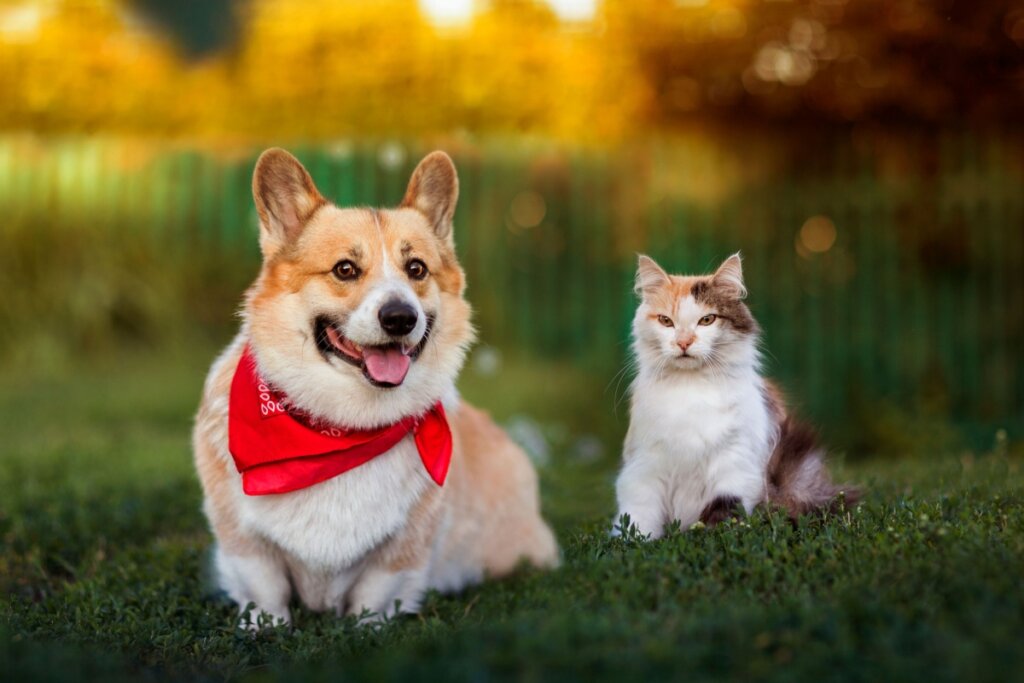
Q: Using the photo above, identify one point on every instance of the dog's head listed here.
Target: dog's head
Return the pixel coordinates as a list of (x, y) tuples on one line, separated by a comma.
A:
[(357, 314)]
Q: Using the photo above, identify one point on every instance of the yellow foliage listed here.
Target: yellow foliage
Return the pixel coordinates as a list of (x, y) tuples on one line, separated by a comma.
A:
[(315, 69)]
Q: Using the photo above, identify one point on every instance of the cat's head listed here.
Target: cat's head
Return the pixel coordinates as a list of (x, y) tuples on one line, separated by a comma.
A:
[(693, 323)]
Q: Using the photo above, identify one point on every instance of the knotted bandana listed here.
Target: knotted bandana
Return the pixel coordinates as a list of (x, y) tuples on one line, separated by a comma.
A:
[(277, 449)]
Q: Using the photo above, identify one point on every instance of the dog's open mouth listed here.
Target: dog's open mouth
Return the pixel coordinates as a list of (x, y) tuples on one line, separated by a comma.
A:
[(384, 365)]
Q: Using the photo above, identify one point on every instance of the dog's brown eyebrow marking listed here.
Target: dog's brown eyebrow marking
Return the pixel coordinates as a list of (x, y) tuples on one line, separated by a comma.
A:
[(406, 249), (355, 253)]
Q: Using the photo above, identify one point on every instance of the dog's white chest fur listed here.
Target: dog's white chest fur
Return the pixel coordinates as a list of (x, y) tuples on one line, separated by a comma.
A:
[(334, 524), (692, 440)]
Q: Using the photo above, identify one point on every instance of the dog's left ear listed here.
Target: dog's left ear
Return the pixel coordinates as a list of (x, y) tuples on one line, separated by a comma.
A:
[(285, 198), (433, 191)]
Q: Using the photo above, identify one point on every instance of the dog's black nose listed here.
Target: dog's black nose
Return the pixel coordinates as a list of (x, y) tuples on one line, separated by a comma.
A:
[(397, 318)]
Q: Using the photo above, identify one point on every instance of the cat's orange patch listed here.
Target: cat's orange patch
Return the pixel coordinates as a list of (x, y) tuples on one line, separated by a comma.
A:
[(665, 298)]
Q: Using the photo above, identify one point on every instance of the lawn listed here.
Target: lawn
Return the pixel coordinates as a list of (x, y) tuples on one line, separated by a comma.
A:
[(104, 553)]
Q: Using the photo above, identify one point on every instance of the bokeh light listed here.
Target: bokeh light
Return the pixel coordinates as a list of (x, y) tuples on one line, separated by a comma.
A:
[(817, 235), (574, 10), (527, 210), (448, 12), (20, 23)]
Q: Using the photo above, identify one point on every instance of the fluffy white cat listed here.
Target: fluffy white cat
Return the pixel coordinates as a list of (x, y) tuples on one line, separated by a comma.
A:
[(708, 435)]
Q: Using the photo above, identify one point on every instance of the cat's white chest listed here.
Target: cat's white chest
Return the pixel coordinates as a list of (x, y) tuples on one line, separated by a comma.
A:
[(333, 524), (690, 441), (684, 421)]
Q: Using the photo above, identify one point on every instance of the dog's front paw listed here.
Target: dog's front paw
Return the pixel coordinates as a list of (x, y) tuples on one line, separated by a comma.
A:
[(254, 619)]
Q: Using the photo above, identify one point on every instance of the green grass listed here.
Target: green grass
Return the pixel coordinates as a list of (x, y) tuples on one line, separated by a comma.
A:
[(104, 552)]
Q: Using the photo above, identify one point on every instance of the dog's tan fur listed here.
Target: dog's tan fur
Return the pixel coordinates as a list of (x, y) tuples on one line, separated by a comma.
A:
[(483, 521)]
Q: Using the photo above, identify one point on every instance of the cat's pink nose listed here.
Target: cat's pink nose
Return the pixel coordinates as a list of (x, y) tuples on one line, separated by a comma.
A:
[(686, 342)]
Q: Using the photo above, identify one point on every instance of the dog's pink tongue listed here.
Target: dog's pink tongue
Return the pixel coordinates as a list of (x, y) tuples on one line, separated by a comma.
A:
[(386, 365)]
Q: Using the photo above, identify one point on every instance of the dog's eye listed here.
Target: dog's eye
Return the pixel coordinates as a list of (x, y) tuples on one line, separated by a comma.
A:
[(708, 319), (666, 321), (416, 269), (345, 270)]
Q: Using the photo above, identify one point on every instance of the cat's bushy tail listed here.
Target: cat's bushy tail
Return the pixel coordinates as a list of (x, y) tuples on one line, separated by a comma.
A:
[(797, 477)]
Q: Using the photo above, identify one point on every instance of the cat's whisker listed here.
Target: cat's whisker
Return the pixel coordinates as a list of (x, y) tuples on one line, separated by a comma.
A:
[(629, 368)]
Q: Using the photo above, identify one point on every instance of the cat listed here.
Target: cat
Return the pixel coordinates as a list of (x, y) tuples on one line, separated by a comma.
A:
[(709, 437)]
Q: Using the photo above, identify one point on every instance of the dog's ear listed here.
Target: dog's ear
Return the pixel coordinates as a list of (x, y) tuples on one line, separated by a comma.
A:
[(433, 191), (285, 198)]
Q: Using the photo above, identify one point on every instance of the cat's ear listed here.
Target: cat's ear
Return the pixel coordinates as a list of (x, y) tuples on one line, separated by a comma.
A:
[(649, 276), (729, 277)]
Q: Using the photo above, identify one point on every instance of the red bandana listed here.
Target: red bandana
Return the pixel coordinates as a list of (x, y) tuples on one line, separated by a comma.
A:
[(278, 450)]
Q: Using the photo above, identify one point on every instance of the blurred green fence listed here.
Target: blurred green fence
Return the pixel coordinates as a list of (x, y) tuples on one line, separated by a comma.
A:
[(887, 277)]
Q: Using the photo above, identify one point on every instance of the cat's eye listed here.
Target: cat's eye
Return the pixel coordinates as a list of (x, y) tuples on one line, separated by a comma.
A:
[(666, 321), (416, 269), (345, 270), (708, 319)]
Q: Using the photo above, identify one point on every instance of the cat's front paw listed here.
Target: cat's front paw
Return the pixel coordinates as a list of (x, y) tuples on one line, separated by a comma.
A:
[(629, 529), (721, 509)]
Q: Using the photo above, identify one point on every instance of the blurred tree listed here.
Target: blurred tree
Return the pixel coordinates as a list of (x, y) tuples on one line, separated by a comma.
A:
[(945, 60), (313, 68), (200, 27)]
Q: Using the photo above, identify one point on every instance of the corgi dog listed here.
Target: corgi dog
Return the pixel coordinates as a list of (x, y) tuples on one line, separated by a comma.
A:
[(337, 461), (709, 437)]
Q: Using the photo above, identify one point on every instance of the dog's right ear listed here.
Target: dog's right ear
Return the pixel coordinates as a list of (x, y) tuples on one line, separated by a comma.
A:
[(433, 191), (285, 199)]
